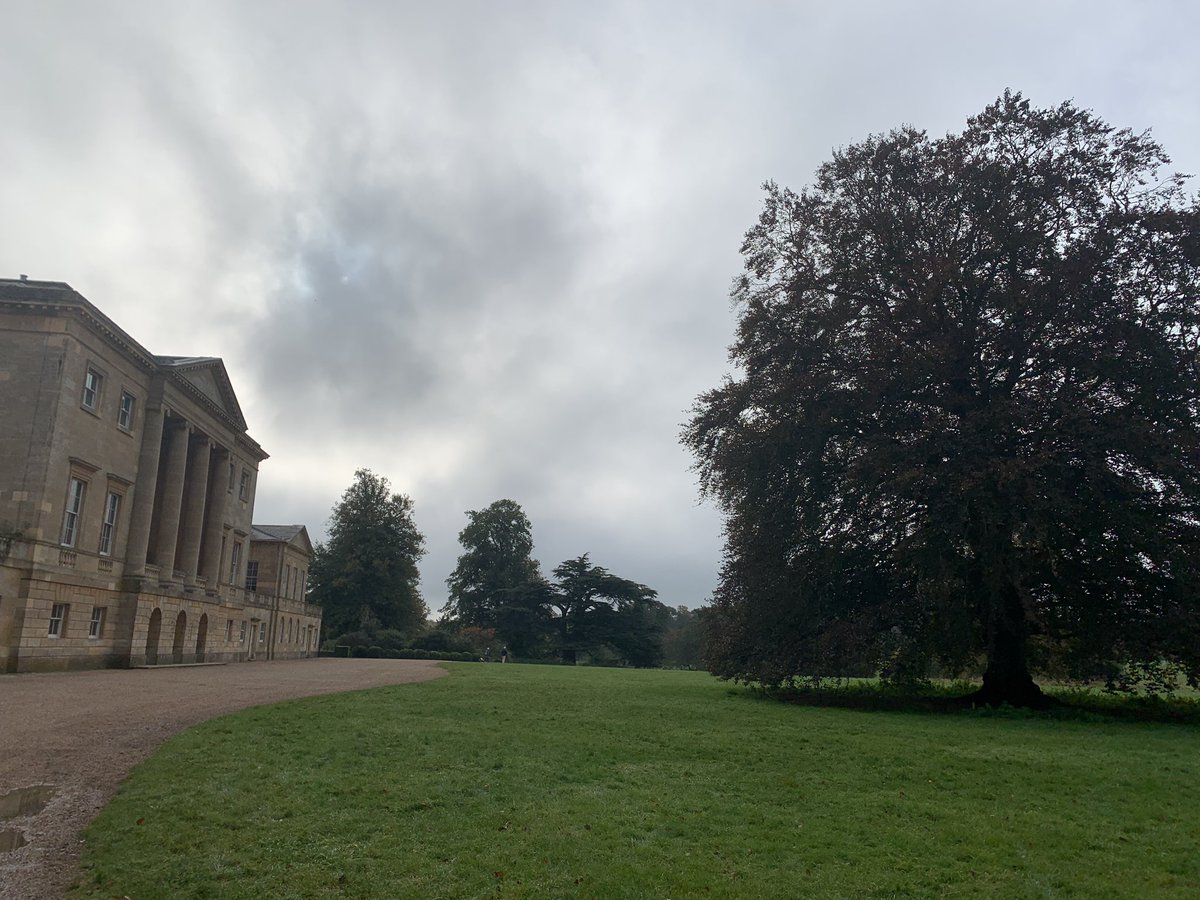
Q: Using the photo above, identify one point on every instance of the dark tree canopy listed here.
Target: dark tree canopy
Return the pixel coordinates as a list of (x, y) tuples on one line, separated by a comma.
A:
[(488, 586), (682, 637), (366, 576), (594, 610), (964, 420), (498, 587)]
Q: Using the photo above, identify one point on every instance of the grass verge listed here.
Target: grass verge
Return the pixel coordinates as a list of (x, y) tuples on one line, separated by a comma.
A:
[(533, 781)]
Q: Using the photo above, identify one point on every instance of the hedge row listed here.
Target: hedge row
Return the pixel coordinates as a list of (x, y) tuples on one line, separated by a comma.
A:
[(377, 652)]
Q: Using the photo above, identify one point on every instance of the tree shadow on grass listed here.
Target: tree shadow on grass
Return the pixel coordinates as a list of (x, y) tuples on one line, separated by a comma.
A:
[(1067, 704)]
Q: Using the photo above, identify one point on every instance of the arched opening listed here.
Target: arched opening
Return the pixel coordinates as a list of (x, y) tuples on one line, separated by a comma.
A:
[(180, 631), (152, 637), (201, 637)]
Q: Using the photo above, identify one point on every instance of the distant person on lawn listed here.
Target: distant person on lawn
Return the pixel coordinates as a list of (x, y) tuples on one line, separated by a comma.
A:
[(504, 654)]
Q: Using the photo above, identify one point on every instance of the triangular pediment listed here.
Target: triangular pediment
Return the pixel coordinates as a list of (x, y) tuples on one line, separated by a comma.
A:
[(294, 535), (207, 383), (207, 376), (302, 542)]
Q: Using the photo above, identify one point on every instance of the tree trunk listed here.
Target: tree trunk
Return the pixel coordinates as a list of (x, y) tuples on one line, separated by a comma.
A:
[(1007, 678)]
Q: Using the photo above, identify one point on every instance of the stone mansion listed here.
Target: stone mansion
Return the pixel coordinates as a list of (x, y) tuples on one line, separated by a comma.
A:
[(127, 486)]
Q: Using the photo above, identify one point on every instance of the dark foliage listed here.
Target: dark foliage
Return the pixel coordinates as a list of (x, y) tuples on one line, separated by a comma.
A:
[(965, 414), (498, 589), (386, 638), (489, 586), (1075, 704), (593, 611), (682, 636), (366, 576), (442, 641)]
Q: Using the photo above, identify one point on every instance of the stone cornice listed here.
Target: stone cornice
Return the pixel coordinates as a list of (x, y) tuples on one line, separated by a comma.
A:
[(53, 298), (60, 299), (178, 379), (252, 447), (70, 303)]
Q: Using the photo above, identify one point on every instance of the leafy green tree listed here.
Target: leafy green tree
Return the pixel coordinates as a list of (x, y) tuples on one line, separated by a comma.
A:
[(682, 637), (490, 586), (365, 576), (593, 610), (965, 411), (523, 620)]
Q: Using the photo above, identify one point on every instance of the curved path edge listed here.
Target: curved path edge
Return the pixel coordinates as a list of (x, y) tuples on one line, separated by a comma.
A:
[(82, 732)]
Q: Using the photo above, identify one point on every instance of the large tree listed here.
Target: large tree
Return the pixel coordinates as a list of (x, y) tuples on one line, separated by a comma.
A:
[(593, 610), (489, 588), (963, 423), (365, 576)]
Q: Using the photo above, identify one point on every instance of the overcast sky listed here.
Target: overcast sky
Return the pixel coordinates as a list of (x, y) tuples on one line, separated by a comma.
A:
[(484, 249)]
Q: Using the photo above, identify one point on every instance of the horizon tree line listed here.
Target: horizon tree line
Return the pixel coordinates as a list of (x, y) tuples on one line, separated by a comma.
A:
[(366, 579)]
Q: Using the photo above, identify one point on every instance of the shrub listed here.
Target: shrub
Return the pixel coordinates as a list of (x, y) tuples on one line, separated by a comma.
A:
[(441, 641), (384, 638)]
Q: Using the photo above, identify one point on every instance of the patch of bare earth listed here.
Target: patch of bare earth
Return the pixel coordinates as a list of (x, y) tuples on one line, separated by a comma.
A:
[(72, 738)]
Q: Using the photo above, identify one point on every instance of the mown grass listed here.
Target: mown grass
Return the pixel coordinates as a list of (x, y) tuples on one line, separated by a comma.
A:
[(530, 781)]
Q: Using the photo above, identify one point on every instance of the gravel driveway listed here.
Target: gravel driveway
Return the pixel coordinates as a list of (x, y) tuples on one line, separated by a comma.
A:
[(79, 734)]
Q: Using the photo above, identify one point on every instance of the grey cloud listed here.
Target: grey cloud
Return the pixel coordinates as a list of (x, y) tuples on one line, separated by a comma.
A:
[(485, 250), (413, 297)]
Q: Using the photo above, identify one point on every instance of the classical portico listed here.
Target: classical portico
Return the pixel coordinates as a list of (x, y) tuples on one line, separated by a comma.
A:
[(195, 488)]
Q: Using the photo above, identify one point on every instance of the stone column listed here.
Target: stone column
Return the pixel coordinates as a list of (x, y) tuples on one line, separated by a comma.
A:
[(166, 539), (214, 520), (192, 526), (138, 538)]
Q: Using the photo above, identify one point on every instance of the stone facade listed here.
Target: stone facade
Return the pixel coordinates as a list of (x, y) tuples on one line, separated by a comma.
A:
[(127, 487), (276, 580)]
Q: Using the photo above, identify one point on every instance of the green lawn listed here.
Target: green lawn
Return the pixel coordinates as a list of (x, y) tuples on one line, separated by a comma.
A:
[(538, 781)]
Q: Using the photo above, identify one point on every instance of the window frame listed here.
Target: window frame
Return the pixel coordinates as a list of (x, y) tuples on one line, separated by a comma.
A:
[(57, 627), (96, 389), (96, 623), (235, 562), (129, 414), (108, 524), (73, 511), (244, 485), (251, 580)]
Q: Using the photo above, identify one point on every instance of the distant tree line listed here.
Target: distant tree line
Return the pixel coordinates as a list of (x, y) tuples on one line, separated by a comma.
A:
[(582, 612), (366, 579)]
